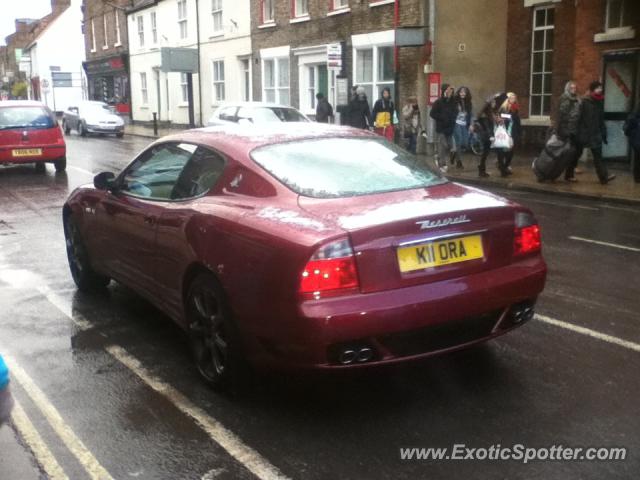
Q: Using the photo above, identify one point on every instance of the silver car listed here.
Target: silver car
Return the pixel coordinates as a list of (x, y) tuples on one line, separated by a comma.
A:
[(254, 113), (92, 117)]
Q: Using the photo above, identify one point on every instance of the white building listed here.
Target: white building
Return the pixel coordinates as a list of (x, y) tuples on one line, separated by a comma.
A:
[(56, 56), (224, 53)]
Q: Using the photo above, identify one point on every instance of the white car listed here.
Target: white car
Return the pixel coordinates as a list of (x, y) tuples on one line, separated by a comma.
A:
[(92, 117), (255, 113)]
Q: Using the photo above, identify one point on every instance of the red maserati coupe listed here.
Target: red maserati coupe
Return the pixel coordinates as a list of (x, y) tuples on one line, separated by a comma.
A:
[(306, 246)]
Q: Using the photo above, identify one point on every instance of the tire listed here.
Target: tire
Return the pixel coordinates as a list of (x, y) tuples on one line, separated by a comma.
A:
[(66, 128), (213, 337), (119, 135), (81, 130), (40, 167), (84, 276), (60, 164)]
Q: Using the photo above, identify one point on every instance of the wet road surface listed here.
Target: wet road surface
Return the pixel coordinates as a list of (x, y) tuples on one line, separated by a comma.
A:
[(107, 383)]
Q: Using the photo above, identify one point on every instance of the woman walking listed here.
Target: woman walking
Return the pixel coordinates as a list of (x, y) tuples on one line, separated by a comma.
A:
[(411, 123), (463, 123), (487, 122), (568, 116), (510, 119), (382, 115)]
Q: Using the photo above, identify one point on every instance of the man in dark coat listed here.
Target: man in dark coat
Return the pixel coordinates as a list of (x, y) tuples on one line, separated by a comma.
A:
[(444, 111), (592, 131), (568, 116), (632, 130), (359, 111), (324, 110)]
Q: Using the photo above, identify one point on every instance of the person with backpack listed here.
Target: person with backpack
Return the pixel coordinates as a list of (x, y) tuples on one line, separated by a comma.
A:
[(632, 130), (463, 123), (382, 115), (444, 111), (568, 116), (324, 110), (592, 131)]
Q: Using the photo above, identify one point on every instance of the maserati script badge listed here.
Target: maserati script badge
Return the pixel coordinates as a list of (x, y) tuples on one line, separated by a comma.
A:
[(442, 222)]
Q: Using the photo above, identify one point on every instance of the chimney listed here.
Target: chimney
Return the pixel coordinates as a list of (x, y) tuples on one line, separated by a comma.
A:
[(59, 6)]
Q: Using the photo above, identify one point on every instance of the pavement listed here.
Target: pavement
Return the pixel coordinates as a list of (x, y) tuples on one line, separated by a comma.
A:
[(622, 190)]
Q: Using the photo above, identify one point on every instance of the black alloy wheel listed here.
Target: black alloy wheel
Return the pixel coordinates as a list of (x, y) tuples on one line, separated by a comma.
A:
[(84, 276)]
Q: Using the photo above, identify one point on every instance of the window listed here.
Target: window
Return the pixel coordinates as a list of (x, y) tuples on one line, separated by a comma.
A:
[(93, 36), (140, 31), (199, 175), (245, 70), (228, 114), (541, 62), (182, 18), (143, 88), (276, 80), (154, 28), (218, 81), (184, 87), (117, 20), (155, 173), (344, 167), (216, 13), (338, 4), (105, 41), (267, 11), (374, 70), (300, 8), (617, 15)]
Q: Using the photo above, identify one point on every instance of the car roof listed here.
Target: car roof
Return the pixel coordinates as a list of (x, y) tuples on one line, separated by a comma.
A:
[(21, 103), (237, 140), (255, 105)]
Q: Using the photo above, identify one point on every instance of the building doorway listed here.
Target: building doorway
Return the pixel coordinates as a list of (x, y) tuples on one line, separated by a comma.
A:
[(621, 94)]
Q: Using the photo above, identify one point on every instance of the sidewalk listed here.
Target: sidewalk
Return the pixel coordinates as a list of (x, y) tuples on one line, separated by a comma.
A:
[(147, 132), (623, 189)]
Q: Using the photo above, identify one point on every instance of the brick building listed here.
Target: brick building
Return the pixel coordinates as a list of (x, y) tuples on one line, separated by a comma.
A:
[(11, 54), (551, 42), (290, 39), (107, 52)]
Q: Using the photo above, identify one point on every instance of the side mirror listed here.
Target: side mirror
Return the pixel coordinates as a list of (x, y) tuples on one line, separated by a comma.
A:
[(104, 180)]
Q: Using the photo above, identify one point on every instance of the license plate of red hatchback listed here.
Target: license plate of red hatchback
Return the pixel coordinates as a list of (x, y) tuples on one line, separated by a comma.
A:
[(440, 252), (26, 152)]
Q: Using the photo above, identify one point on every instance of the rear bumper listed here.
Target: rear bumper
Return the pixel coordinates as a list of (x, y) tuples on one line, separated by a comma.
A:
[(49, 154), (6, 404), (409, 323)]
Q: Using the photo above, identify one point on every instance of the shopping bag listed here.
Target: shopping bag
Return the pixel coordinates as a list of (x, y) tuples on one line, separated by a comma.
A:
[(502, 139)]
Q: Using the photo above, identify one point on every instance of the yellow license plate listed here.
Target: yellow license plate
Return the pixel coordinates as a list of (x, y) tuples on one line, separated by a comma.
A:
[(441, 252), (27, 152)]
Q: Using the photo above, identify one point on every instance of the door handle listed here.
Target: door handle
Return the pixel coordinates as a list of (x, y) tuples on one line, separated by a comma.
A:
[(149, 220)]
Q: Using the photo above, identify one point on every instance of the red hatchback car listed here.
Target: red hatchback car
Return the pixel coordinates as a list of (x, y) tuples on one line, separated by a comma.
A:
[(306, 246), (29, 133)]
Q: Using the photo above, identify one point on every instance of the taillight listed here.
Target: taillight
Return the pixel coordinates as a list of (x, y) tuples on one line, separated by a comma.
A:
[(331, 270), (526, 237)]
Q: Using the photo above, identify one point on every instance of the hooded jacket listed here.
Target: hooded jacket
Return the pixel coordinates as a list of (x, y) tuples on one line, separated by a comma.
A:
[(359, 112), (592, 131), (383, 105), (444, 111), (568, 113)]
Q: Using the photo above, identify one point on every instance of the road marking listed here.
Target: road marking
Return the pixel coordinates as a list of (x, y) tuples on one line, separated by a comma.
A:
[(82, 170), (606, 244), (591, 333), (40, 450), (65, 307), (234, 446), (66, 434)]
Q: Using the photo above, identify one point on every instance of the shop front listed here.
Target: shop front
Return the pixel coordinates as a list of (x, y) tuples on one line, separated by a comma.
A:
[(108, 81)]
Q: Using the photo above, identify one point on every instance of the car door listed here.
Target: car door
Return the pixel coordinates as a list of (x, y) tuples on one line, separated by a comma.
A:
[(127, 217), (180, 220)]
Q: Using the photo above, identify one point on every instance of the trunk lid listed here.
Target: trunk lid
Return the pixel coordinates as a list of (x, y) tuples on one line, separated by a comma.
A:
[(415, 228)]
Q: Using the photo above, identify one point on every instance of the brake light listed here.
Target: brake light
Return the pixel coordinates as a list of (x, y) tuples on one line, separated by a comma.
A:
[(526, 240), (332, 269)]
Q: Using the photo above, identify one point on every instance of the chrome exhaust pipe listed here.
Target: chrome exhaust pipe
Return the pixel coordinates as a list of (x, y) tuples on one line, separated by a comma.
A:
[(347, 357), (364, 355)]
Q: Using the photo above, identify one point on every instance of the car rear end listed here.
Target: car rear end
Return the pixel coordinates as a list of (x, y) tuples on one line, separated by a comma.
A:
[(29, 133), (416, 273)]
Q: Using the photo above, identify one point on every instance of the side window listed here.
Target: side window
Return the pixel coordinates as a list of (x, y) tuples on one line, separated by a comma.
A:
[(228, 114), (154, 174), (199, 175), (245, 115)]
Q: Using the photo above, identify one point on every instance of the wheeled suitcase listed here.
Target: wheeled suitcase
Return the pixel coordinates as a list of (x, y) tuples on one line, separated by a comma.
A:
[(553, 160)]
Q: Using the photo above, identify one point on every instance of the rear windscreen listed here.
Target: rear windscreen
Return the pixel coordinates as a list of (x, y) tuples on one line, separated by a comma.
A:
[(25, 117)]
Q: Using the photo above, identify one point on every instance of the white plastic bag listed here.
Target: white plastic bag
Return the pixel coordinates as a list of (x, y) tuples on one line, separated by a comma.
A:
[(502, 139)]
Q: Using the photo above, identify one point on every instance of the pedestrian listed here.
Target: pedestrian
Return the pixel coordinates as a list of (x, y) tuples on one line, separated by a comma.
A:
[(592, 131), (632, 130), (444, 112), (382, 116), (487, 124), (509, 117), (463, 123), (411, 123), (359, 112), (568, 116), (324, 110)]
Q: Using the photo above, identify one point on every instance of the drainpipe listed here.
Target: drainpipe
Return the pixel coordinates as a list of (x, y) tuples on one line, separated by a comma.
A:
[(432, 37), (199, 75), (396, 56)]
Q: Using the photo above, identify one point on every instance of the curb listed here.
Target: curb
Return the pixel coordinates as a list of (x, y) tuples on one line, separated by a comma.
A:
[(541, 189)]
